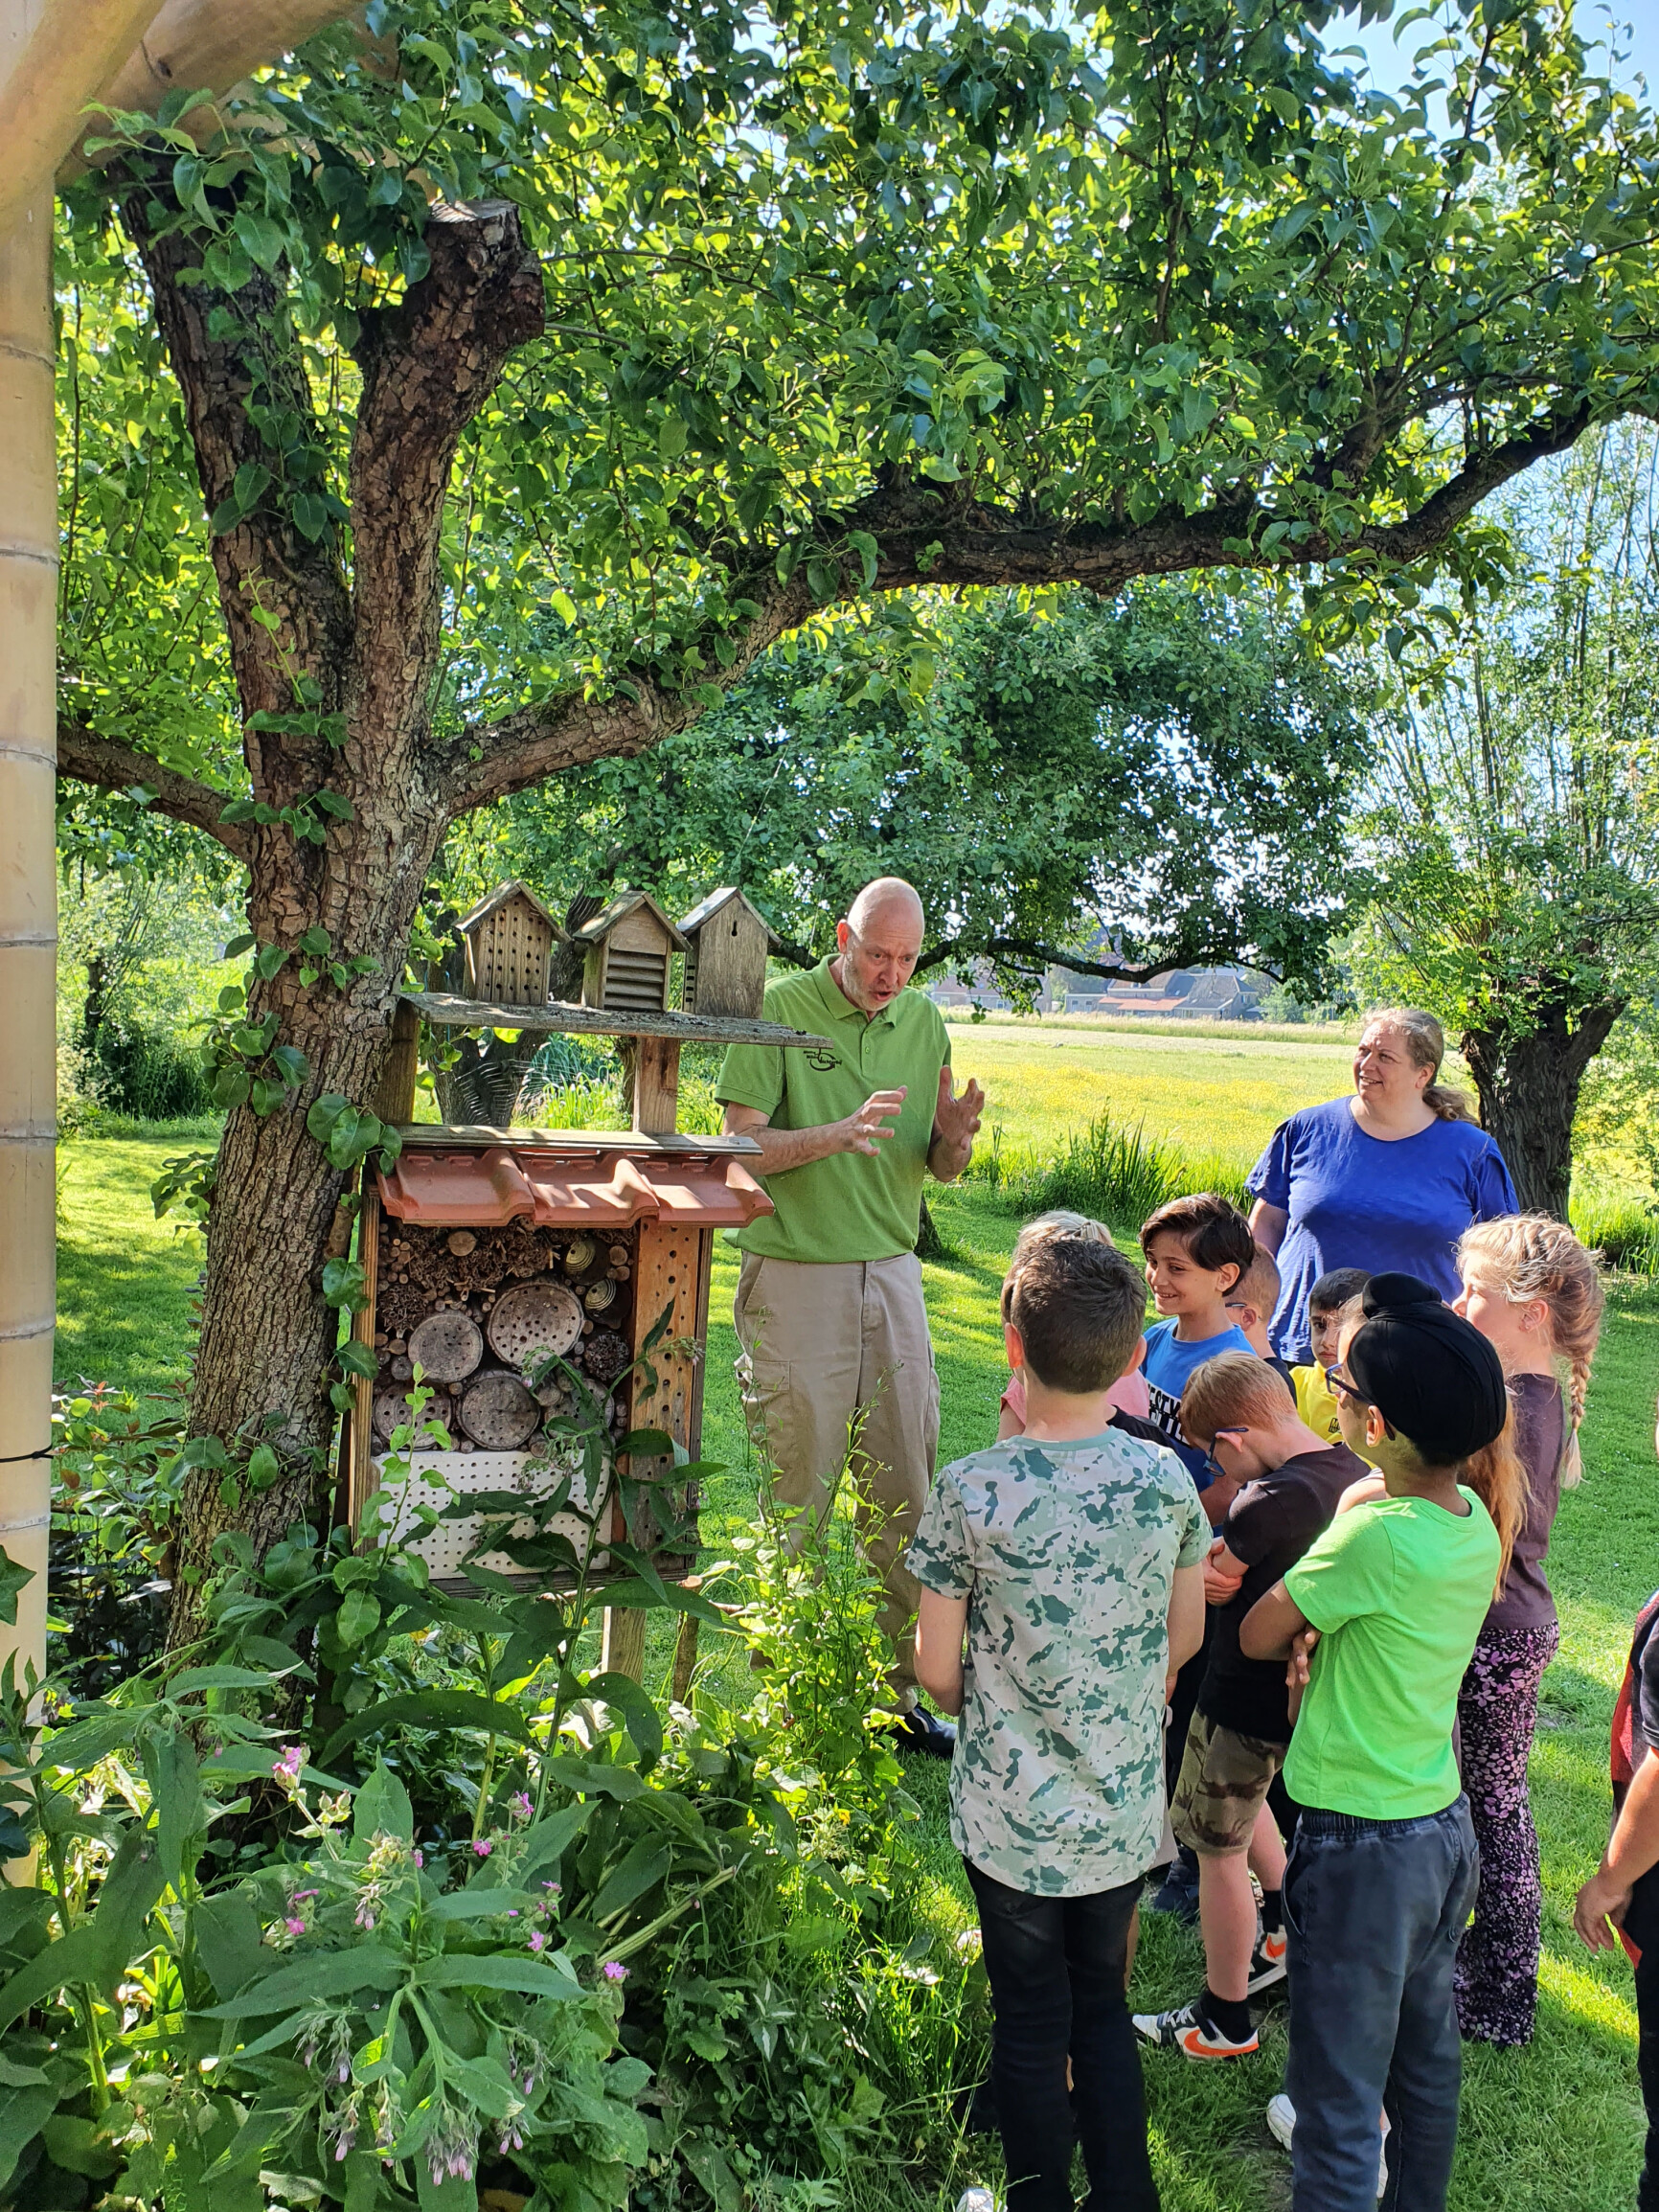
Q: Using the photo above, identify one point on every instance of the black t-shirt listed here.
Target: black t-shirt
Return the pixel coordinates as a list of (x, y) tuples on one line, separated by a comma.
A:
[(1268, 1526)]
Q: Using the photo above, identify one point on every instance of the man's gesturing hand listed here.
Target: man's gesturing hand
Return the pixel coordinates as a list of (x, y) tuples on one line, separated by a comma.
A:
[(956, 1118), (860, 1131)]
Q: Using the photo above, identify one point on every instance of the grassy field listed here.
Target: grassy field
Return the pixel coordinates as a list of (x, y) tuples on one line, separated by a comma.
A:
[(1218, 1096), (1554, 2128)]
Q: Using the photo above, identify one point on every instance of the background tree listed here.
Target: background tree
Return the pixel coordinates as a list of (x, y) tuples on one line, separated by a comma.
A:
[(797, 308), (1172, 767), (1517, 830)]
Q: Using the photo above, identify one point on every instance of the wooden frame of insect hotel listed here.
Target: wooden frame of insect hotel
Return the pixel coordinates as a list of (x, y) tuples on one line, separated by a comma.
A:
[(485, 1250)]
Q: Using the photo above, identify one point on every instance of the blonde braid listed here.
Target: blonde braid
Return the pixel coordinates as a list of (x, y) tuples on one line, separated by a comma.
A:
[(1529, 1256)]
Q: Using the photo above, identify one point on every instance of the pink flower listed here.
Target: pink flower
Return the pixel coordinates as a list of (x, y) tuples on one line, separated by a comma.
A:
[(295, 1926), (519, 1805), (613, 1972), (483, 1847), (287, 1767), (419, 1857), (303, 1896), (537, 1940)]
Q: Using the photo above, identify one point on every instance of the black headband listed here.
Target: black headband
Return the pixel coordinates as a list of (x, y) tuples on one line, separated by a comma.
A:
[(1428, 1373)]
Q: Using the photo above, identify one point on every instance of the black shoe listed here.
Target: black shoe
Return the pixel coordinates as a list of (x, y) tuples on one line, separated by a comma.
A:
[(920, 1730), (1180, 1893)]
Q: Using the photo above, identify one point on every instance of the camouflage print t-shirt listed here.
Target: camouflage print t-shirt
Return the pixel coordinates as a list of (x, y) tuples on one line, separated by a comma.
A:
[(1065, 1553)]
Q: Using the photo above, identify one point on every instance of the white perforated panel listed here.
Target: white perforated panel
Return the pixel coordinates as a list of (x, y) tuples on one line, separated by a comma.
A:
[(461, 1471)]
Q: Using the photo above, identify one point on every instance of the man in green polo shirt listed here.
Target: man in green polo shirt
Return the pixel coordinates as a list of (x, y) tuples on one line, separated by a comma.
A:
[(829, 1309)]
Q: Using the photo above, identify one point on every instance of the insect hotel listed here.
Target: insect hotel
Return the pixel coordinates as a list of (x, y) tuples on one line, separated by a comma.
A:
[(487, 1249)]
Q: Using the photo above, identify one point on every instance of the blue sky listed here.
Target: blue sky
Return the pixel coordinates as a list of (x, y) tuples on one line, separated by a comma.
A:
[(1639, 34)]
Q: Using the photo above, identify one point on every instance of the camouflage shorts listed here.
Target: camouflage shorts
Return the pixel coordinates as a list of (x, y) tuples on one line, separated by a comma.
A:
[(1222, 1786)]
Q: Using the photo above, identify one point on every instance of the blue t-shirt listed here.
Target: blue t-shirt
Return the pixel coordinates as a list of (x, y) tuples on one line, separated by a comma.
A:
[(1169, 1362), (1359, 1201)]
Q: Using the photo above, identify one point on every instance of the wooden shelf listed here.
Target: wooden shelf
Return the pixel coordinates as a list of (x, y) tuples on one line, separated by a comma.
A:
[(585, 1141), (558, 1018)]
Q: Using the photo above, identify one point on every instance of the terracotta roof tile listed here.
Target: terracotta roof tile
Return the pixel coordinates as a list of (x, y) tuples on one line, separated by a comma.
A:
[(499, 1183)]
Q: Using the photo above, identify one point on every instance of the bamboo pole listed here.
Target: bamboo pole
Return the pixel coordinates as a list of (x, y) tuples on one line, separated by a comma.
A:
[(28, 894)]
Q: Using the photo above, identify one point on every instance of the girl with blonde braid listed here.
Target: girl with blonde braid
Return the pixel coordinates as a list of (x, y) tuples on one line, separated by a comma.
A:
[(1533, 1292)]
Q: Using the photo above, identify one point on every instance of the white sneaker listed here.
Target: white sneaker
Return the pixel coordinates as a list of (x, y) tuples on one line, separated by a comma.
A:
[(978, 2200), (1281, 2126)]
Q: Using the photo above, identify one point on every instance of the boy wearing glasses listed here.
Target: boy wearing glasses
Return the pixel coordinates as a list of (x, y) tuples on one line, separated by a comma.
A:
[(1289, 1482), (1382, 1872)]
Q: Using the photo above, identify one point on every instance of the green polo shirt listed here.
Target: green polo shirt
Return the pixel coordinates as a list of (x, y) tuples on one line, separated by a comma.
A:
[(851, 1206)]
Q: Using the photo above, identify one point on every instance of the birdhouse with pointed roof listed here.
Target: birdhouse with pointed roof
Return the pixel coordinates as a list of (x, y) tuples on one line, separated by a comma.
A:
[(726, 966), (508, 939), (629, 954)]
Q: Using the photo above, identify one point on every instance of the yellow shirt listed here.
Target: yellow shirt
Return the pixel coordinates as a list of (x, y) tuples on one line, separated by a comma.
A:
[(1316, 1401)]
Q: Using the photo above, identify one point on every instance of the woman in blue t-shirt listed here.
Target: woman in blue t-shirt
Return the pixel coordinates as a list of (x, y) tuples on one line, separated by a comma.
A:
[(1387, 1180)]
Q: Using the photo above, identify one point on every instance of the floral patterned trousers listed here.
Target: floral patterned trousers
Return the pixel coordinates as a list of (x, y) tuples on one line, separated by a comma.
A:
[(1497, 1969)]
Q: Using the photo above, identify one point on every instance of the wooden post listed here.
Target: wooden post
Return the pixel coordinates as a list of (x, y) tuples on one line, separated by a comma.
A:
[(685, 1648), (396, 1102), (28, 889), (656, 1085), (622, 1650)]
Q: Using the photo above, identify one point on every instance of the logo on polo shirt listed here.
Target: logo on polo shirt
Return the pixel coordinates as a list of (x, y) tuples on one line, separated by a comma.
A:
[(818, 1057)]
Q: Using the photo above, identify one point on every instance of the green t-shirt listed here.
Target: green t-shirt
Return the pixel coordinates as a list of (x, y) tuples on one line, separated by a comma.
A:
[(851, 1206), (1066, 1554), (1397, 1590)]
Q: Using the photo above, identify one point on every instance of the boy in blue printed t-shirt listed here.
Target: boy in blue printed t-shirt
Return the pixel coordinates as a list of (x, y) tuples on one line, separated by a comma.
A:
[(1197, 1250), (1072, 1560)]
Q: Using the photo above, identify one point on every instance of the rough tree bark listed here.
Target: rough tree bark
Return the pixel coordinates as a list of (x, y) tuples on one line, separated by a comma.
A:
[(1528, 1092), (372, 651)]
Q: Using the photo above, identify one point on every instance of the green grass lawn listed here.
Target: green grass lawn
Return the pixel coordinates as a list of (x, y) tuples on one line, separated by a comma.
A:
[(1554, 2128), (1218, 1096)]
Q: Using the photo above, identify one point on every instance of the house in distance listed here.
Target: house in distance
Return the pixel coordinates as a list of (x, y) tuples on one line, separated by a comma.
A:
[(628, 952), (726, 965)]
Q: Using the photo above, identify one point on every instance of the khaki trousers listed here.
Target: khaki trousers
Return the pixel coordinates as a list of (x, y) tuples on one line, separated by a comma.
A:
[(828, 1348)]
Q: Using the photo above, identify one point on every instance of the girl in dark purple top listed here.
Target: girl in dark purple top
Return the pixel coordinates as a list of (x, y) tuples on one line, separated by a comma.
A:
[(1533, 1290)]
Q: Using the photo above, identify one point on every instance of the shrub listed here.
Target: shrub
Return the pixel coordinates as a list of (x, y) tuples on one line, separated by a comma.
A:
[(1114, 1173), (1626, 1233), (149, 1073)]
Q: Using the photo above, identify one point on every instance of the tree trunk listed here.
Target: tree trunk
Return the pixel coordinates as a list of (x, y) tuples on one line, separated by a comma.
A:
[(1528, 1092), (266, 1336), (370, 654)]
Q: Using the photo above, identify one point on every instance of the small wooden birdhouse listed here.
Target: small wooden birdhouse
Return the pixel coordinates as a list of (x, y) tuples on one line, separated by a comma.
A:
[(509, 938), (629, 949), (726, 966)]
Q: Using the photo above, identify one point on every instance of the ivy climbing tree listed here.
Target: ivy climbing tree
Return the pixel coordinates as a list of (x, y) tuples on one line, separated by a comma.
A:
[(539, 370)]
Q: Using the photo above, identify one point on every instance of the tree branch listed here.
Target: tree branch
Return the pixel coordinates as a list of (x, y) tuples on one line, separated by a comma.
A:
[(936, 535), (429, 365), (265, 566), (1033, 956), (89, 759)]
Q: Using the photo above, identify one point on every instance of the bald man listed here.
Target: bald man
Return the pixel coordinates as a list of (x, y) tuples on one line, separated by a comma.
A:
[(829, 1309)]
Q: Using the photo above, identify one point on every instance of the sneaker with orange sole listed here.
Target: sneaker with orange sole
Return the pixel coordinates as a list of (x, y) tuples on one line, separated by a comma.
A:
[(1267, 1963), (1189, 2031)]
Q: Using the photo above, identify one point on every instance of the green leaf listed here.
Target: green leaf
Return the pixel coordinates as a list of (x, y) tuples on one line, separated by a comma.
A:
[(430, 1709), (12, 1579), (313, 1976), (181, 1810), (228, 1942), (76, 2145), (547, 1842), (531, 1977), (23, 2112), (358, 1616), (263, 239), (640, 1716), (101, 1948), (383, 1807), (644, 1867)]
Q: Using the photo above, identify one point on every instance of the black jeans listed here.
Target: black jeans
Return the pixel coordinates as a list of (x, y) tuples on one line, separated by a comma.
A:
[(1648, 2070), (1057, 1981), (1374, 1910)]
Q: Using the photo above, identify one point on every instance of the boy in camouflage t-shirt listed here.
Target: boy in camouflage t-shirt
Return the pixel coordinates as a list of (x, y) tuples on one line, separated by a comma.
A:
[(1072, 1558)]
